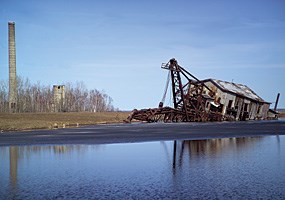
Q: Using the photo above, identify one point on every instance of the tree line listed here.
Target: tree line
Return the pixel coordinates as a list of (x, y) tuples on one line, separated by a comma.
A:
[(40, 98)]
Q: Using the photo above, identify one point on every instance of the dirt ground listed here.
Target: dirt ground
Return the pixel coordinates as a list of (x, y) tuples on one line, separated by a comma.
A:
[(29, 121)]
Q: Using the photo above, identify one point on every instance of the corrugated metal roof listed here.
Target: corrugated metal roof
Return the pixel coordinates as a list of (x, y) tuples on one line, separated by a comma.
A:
[(239, 89)]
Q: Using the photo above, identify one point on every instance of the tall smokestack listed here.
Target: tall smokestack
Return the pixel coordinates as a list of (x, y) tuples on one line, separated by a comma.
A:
[(12, 68)]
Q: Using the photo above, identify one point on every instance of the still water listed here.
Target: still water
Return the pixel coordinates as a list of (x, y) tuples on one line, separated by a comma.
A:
[(239, 168)]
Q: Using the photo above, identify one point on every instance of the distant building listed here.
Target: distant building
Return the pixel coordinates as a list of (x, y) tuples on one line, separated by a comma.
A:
[(58, 98), (234, 101)]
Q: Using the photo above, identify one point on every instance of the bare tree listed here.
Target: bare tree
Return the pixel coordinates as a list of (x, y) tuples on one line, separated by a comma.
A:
[(39, 98), (3, 96)]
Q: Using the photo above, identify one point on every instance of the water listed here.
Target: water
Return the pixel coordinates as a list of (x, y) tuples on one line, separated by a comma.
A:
[(238, 168)]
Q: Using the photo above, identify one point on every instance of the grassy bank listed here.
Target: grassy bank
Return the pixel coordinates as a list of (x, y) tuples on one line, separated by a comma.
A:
[(28, 121)]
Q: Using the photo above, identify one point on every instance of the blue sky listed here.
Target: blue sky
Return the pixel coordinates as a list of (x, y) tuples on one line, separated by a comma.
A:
[(118, 46)]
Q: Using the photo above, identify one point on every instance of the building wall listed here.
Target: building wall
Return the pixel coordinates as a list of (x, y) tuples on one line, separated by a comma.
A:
[(253, 110), (227, 98), (265, 109), (244, 108), (220, 96)]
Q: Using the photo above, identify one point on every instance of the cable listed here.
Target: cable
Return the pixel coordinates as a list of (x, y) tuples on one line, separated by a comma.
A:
[(166, 87)]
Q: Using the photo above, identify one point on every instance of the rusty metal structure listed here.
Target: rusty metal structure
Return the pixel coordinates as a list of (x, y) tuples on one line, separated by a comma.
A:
[(189, 100)]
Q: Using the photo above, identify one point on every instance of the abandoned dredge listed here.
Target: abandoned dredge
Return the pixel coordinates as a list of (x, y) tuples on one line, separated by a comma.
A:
[(205, 100)]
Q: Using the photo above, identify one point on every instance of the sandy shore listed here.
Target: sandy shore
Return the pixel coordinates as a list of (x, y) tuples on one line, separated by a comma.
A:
[(142, 132)]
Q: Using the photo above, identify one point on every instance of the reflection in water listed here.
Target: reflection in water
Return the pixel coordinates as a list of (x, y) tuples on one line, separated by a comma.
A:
[(13, 165), (16, 153), (241, 168), (174, 155), (196, 149)]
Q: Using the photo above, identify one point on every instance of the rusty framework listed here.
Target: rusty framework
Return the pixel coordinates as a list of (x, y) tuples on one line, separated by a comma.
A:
[(189, 102)]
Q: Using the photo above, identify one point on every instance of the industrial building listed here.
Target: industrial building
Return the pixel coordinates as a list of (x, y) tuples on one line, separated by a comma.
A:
[(234, 101)]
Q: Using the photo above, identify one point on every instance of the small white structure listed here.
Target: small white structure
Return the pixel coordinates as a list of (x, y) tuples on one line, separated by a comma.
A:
[(58, 98)]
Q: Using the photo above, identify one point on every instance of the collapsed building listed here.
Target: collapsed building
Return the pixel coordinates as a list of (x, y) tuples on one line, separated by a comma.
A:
[(204, 100), (235, 101)]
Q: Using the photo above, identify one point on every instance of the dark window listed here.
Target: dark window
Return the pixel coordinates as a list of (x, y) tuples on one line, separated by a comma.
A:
[(13, 105), (219, 100), (207, 104), (245, 106), (230, 103), (258, 109)]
